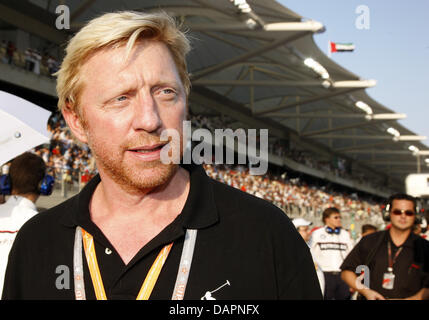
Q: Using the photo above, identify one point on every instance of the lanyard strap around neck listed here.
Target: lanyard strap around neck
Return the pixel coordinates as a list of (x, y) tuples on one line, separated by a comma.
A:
[(389, 252), (185, 265), (151, 278), (79, 286), (91, 259)]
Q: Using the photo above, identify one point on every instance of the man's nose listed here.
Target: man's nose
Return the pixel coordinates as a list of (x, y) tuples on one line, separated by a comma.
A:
[(146, 114)]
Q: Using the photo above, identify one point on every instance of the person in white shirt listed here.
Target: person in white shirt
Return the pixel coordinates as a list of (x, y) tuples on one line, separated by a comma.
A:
[(303, 228), (25, 173), (329, 246)]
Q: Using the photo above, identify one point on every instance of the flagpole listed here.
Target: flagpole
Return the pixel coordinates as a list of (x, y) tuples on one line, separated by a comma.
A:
[(329, 49)]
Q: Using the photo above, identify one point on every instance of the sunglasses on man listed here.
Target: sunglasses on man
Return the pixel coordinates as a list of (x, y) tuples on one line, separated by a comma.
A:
[(408, 213)]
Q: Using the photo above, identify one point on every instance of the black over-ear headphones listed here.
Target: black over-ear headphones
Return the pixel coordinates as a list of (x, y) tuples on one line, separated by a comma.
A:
[(329, 230), (386, 211), (45, 187)]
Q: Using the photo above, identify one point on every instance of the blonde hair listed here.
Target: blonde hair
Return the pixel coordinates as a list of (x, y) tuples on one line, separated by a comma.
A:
[(113, 30)]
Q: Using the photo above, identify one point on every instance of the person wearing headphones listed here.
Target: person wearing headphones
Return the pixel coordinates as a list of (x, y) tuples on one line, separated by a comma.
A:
[(329, 246), (396, 260), (24, 182)]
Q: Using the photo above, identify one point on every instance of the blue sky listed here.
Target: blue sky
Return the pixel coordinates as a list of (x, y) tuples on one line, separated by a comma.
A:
[(394, 50)]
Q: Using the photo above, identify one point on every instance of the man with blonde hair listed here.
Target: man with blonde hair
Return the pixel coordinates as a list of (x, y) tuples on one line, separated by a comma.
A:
[(143, 228)]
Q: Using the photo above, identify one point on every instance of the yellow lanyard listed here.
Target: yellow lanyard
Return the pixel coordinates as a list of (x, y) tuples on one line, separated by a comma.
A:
[(149, 282)]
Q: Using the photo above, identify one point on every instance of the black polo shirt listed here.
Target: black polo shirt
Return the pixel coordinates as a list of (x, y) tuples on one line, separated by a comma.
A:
[(408, 268), (241, 239)]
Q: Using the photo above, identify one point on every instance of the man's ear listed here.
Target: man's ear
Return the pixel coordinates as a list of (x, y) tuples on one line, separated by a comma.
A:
[(74, 122)]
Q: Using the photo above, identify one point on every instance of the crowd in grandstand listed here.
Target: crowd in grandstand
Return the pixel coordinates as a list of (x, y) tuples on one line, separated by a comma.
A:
[(31, 59), (294, 195), (65, 158), (337, 166)]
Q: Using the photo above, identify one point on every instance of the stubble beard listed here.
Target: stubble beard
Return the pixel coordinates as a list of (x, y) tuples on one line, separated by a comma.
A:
[(402, 227), (133, 178)]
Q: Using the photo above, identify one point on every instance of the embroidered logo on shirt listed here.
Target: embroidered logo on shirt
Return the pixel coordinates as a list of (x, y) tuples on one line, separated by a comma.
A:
[(332, 246), (208, 294)]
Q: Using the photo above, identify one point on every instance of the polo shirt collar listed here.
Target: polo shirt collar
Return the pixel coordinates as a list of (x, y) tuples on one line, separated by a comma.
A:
[(22, 202), (199, 211), (409, 242)]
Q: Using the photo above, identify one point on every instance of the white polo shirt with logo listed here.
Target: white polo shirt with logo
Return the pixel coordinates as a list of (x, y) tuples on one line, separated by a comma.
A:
[(13, 214), (330, 249)]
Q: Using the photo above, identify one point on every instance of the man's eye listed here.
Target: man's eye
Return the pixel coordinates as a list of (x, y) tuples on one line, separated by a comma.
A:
[(121, 98), (167, 91)]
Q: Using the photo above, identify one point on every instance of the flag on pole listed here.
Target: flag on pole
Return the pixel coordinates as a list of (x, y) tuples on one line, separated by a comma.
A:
[(341, 47)]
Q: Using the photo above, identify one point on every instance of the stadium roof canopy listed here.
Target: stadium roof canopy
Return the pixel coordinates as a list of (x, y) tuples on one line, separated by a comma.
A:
[(257, 63)]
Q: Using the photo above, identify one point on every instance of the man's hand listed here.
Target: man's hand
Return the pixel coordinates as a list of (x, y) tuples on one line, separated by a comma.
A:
[(371, 294), (423, 294), (352, 281)]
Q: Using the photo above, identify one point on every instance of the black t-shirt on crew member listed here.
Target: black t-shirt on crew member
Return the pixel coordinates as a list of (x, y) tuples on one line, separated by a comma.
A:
[(410, 275), (241, 239)]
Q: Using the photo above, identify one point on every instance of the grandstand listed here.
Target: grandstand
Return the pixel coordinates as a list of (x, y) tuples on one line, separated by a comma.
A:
[(251, 67)]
